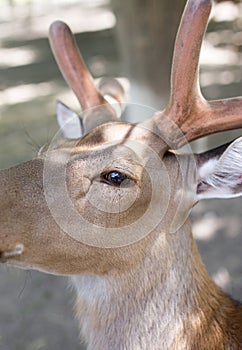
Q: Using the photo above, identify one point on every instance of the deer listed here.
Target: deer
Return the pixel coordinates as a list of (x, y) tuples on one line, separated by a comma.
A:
[(107, 203)]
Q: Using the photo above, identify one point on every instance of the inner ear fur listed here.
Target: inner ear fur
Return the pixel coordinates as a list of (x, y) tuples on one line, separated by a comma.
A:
[(219, 171)]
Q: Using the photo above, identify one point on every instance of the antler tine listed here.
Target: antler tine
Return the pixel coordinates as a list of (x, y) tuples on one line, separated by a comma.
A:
[(195, 116), (79, 79), (212, 117), (72, 66), (190, 114), (184, 77)]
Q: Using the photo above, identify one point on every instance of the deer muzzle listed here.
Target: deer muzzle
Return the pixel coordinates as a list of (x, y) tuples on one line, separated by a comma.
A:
[(22, 209), (30, 238)]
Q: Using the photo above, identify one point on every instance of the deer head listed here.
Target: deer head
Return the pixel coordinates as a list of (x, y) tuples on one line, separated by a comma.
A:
[(116, 173), (102, 202)]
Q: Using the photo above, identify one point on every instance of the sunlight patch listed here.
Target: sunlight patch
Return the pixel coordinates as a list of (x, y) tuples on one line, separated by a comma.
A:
[(225, 11), (24, 93), (13, 57)]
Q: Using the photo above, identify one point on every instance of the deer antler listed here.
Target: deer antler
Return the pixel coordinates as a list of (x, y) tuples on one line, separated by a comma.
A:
[(187, 108), (80, 80), (190, 114)]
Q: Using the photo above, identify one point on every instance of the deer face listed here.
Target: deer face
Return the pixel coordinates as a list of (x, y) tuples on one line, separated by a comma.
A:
[(111, 192), (102, 201)]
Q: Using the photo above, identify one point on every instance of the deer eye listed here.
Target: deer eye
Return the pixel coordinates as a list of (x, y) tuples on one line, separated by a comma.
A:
[(116, 178)]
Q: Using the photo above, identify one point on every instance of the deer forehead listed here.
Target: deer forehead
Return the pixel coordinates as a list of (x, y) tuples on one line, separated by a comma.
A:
[(127, 148), (114, 144), (136, 136)]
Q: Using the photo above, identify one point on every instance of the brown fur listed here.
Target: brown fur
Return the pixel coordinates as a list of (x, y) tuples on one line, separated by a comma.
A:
[(152, 294)]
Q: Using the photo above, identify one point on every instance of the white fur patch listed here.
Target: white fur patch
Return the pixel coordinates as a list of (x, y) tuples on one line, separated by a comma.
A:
[(69, 122), (228, 170), (90, 288), (207, 168), (18, 250), (222, 178)]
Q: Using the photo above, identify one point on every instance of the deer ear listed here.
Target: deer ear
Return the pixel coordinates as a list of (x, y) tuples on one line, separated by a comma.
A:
[(220, 172), (69, 122)]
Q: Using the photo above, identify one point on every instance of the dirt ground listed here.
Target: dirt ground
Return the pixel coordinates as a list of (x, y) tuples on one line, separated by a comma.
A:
[(36, 308)]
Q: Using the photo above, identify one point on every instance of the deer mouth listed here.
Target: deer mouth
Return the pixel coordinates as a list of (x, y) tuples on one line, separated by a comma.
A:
[(8, 254)]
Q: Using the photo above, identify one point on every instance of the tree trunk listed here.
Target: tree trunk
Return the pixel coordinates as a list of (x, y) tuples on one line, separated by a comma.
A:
[(146, 30)]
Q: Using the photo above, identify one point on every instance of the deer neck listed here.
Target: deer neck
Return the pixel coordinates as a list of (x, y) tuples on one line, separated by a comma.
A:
[(151, 306)]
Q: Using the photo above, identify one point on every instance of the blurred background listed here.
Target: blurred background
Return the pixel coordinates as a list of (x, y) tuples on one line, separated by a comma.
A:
[(128, 38)]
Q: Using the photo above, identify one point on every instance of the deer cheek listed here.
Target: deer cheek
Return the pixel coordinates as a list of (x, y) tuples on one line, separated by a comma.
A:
[(77, 184)]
